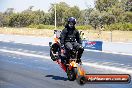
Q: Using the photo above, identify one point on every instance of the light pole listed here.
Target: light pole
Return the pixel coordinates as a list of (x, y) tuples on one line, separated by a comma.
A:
[(55, 16)]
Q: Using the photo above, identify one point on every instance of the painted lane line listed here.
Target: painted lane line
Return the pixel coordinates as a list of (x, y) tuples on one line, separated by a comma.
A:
[(25, 54), (108, 67), (4, 47), (95, 65), (108, 52), (119, 42), (46, 44)]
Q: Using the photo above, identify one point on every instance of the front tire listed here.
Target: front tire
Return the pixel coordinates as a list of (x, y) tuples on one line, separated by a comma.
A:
[(52, 56), (53, 49), (81, 80)]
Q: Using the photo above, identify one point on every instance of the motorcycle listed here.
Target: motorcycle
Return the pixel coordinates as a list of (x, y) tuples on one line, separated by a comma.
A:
[(66, 61)]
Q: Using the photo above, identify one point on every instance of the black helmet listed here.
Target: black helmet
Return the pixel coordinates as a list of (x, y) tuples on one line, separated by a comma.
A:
[(72, 19)]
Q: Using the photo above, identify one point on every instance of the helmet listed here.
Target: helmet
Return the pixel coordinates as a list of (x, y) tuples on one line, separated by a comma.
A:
[(72, 20)]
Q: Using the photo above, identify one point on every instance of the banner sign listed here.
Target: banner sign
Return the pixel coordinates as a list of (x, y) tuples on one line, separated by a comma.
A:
[(95, 45)]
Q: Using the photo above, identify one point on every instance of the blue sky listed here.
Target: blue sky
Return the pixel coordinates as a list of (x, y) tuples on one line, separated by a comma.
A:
[(20, 5)]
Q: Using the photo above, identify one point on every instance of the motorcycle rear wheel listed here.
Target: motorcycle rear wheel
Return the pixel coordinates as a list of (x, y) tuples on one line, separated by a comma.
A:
[(71, 74)]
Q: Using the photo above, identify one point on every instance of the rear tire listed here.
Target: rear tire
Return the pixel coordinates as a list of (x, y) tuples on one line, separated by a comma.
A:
[(72, 74)]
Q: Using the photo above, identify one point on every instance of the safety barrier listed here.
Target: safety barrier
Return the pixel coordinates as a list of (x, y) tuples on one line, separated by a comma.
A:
[(94, 45)]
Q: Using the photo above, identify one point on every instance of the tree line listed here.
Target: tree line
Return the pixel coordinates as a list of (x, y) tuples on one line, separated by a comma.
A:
[(110, 14)]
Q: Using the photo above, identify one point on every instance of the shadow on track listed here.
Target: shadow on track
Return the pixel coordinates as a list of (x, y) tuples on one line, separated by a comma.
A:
[(57, 77)]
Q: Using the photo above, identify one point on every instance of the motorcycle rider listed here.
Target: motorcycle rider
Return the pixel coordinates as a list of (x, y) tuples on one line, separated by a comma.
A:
[(70, 38)]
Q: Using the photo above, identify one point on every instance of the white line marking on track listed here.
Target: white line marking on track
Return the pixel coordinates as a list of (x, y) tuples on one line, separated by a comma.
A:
[(46, 44), (95, 65), (4, 47), (35, 60), (108, 52), (25, 54), (108, 67), (14, 57), (19, 49)]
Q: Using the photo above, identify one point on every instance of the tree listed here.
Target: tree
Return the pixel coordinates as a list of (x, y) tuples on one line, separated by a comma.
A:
[(64, 11), (94, 19), (60, 10), (86, 15), (107, 19), (9, 11), (128, 5), (74, 11), (20, 20), (104, 5), (128, 17), (29, 10), (1, 20), (4, 20)]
